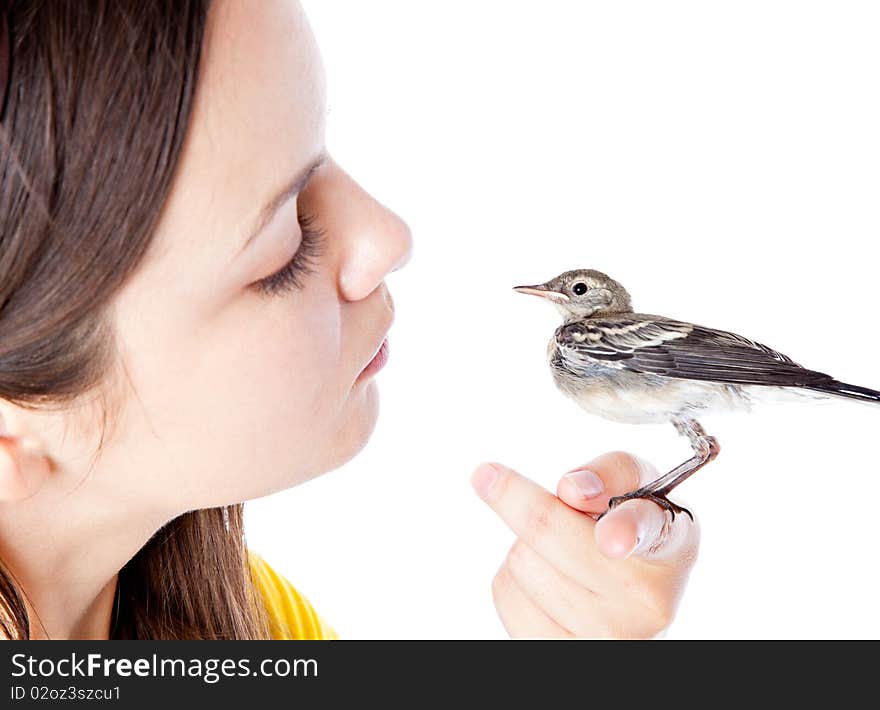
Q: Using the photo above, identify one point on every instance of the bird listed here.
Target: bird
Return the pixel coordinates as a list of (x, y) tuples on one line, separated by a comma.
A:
[(641, 368)]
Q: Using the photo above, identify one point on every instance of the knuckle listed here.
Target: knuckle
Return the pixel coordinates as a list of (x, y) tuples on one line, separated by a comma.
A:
[(659, 611), (632, 471), (653, 602), (539, 517), (653, 624), (518, 558), (500, 584)]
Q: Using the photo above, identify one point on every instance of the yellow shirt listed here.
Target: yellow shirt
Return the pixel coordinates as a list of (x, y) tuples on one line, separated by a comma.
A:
[(291, 616)]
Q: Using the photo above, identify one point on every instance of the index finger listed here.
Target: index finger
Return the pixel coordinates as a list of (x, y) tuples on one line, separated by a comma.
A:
[(557, 532)]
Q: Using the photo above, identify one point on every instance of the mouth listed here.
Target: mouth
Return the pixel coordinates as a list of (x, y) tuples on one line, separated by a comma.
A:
[(380, 351), (543, 292), (377, 362)]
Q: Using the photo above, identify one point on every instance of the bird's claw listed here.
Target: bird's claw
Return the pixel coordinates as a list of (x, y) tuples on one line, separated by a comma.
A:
[(658, 498)]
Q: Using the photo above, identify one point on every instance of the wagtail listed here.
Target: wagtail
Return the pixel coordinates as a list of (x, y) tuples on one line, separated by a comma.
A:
[(640, 368)]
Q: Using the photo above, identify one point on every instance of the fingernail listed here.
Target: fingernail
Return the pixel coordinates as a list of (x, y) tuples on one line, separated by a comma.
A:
[(589, 485), (483, 478)]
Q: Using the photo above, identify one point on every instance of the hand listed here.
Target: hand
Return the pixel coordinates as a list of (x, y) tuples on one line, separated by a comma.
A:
[(570, 576)]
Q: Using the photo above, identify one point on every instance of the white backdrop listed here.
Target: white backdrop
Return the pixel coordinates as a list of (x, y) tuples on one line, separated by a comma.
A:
[(722, 160)]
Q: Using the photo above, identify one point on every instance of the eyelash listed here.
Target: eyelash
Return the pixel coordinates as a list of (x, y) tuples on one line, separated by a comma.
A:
[(289, 277)]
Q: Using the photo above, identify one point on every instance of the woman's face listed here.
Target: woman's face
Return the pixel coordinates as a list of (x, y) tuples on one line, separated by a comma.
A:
[(235, 386)]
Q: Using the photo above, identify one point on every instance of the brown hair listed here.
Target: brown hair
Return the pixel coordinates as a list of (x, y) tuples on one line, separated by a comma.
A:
[(99, 101)]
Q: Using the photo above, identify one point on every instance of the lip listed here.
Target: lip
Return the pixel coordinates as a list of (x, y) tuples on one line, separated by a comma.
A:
[(377, 362), (379, 354)]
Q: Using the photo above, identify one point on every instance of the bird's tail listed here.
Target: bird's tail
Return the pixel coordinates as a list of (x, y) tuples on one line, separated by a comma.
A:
[(842, 389)]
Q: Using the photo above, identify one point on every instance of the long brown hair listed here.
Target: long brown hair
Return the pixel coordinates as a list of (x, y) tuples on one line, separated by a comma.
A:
[(99, 101)]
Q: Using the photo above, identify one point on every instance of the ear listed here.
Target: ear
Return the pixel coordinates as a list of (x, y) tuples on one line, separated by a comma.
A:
[(24, 467), (599, 298)]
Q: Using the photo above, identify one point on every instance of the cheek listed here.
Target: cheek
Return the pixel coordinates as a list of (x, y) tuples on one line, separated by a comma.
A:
[(242, 405), (285, 384), (296, 365)]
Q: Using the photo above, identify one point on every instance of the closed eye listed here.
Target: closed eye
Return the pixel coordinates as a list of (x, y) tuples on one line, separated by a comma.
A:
[(290, 277)]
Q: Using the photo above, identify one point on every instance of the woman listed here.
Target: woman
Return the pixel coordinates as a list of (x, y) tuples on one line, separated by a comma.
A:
[(193, 312)]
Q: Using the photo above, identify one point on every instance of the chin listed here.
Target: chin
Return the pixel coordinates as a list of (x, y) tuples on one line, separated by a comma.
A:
[(351, 436), (347, 440)]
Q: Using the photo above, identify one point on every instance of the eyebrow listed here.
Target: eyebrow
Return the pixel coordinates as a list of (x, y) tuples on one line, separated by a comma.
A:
[(291, 188)]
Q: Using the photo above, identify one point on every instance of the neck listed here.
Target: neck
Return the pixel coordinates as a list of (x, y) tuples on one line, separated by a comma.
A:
[(64, 551)]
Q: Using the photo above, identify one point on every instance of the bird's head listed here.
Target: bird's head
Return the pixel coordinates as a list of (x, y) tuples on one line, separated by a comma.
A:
[(582, 293)]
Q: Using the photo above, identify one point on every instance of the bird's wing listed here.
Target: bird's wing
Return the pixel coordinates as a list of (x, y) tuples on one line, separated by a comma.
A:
[(677, 349)]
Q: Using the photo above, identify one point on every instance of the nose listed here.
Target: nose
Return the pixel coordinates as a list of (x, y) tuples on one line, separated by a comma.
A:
[(376, 240)]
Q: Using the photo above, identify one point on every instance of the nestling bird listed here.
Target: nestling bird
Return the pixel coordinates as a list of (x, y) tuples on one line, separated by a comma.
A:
[(639, 368)]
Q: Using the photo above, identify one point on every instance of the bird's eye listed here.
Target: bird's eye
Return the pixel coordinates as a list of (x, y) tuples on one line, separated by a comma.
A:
[(579, 289)]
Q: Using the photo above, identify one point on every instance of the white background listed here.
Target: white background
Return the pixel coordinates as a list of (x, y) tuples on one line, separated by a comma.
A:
[(722, 160)]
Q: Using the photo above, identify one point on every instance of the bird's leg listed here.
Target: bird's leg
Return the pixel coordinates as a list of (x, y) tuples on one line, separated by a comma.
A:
[(705, 449)]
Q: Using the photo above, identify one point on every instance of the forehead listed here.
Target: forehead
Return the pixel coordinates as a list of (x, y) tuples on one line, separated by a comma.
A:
[(586, 275), (258, 115)]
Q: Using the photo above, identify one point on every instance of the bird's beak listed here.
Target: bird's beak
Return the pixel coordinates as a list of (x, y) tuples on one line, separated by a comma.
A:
[(542, 291)]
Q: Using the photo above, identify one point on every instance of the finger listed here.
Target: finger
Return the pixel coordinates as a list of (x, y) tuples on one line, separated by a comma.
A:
[(520, 616), (561, 535), (642, 529), (579, 610), (588, 487)]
